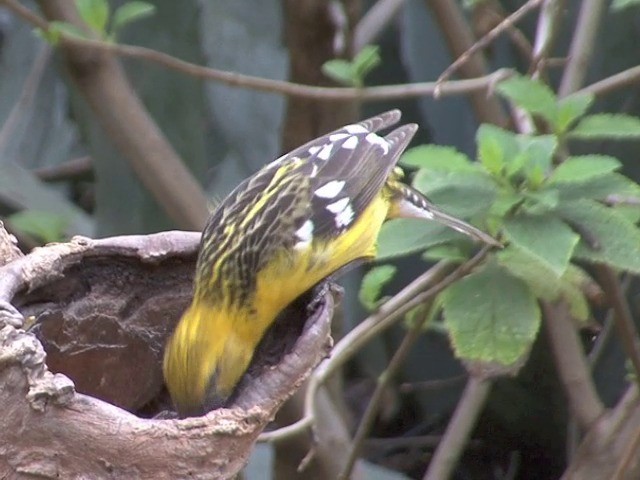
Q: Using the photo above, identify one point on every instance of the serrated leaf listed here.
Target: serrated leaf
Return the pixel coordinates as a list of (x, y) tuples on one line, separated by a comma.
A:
[(541, 201), (600, 188), (570, 109), (94, 13), (492, 316), (404, 236), (436, 157), (372, 284), (495, 147), (531, 95), (340, 71), (505, 202), (618, 239), (131, 12), (539, 152), (579, 169), (461, 194), (45, 226), (543, 281), (607, 126), (546, 237)]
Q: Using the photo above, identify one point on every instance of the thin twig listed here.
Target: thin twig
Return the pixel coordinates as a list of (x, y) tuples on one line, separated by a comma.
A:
[(435, 384), (417, 292), (546, 33), (370, 413), (625, 326), (582, 46), (70, 169), (388, 92), (572, 365), (459, 429), (628, 77), (489, 37), (459, 38)]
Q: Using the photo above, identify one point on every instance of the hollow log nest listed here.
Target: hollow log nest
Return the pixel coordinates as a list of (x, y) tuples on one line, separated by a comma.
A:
[(102, 311)]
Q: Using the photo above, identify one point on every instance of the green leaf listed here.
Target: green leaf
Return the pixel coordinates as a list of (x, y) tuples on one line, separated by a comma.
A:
[(543, 281), (619, 5), (505, 202), (451, 252), (372, 284), (542, 201), (579, 169), (365, 61), (570, 109), (95, 13), (492, 316), (531, 95), (45, 226), (341, 71), (540, 149), (131, 12), (404, 236), (607, 126), (546, 237), (437, 157), (573, 286), (461, 194), (599, 188), (618, 239), (57, 29), (495, 147)]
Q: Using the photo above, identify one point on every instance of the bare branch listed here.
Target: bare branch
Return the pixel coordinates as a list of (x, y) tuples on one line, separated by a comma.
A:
[(572, 365), (459, 429), (582, 45), (459, 38)]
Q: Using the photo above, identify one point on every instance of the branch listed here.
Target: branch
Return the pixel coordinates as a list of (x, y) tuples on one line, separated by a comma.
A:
[(103, 84), (459, 39), (627, 332), (582, 46), (373, 23), (572, 365), (383, 382), (389, 92), (489, 37), (459, 429)]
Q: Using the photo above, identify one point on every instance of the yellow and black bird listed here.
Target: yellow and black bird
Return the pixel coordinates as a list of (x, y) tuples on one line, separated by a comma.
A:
[(280, 232)]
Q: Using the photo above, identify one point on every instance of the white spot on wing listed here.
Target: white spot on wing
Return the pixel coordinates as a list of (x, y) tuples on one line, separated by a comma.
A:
[(325, 153), (337, 136), (345, 217), (343, 212), (339, 206), (305, 232), (330, 189), (356, 128), (378, 140), (350, 143), (315, 149), (314, 171), (304, 235)]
